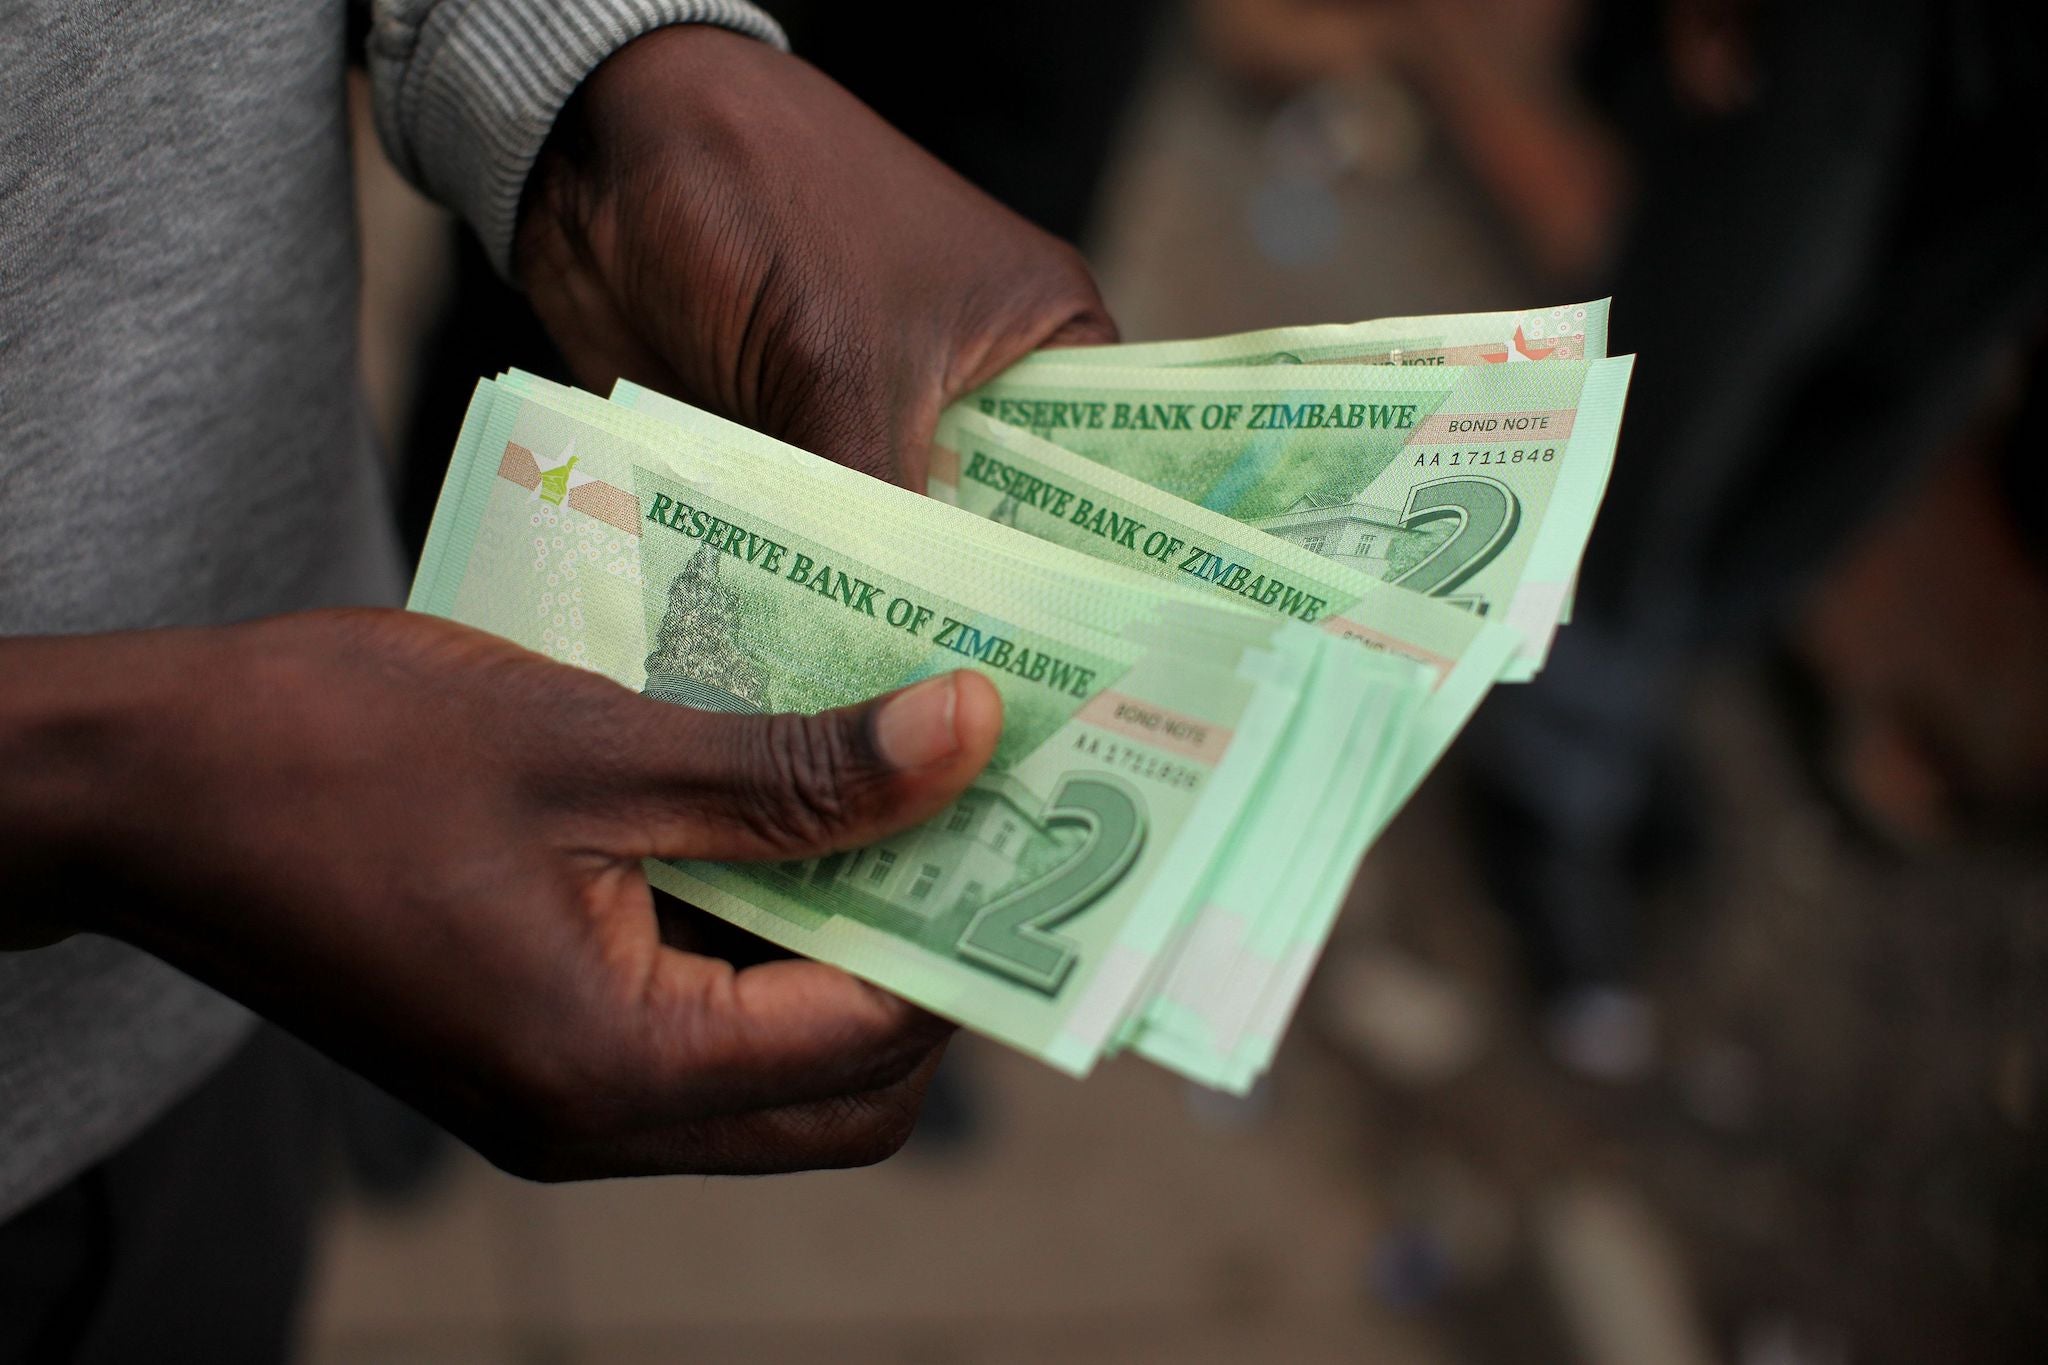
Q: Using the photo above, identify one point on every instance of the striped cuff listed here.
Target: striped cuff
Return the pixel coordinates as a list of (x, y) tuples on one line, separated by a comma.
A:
[(466, 90)]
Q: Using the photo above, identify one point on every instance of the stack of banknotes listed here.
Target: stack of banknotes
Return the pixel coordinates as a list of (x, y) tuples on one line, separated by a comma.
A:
[(1238, 596)]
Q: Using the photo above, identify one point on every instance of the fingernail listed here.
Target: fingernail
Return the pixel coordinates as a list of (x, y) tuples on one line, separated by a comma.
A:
[(915, 727)]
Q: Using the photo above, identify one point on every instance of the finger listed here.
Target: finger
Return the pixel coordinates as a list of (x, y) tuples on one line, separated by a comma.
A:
[(1057, 305), (827, 1134), (845, 408), (853, 1129), (1087, 327), (719, 786), (713, 1040), (687, 929)]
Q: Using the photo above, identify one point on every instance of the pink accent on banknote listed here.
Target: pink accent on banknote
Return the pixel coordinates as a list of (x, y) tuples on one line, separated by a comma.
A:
[(519, 466), (1156, 726), (608, 503), (1457, 428), (1531, 350), (1488, 353), (1346, 629)]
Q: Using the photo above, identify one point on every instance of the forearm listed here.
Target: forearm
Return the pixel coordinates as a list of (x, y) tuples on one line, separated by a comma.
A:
[(318, 815)]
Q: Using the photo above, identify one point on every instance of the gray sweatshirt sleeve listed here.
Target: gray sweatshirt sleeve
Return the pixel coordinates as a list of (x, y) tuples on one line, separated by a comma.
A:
[(466, 90)]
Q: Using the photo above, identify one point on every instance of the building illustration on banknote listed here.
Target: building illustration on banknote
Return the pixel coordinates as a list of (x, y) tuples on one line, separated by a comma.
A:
[(1349, 530), (1367, 536)]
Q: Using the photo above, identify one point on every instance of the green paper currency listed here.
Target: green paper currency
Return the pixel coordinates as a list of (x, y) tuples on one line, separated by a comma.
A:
[(1212, 709), (1010, 476), (1038, 906), (1473, 484)]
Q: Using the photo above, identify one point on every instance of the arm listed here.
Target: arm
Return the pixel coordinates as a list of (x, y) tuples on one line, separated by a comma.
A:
[(695, 209), (349, 821), (716, 219)]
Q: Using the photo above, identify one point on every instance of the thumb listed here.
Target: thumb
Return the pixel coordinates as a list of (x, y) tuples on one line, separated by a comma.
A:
[(721, 786)]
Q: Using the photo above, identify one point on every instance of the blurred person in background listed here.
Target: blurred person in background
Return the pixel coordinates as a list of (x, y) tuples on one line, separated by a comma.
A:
[(348, 821), (1825, 229), (1823, 277)]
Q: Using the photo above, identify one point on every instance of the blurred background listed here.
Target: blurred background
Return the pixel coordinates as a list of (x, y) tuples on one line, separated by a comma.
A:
[(1695, 1011)]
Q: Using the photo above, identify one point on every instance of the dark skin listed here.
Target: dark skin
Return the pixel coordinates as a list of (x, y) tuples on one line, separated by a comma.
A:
[(419, 846), (717, 220)]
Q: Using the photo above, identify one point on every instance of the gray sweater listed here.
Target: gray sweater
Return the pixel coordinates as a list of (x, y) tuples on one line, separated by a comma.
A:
[(181, 438)]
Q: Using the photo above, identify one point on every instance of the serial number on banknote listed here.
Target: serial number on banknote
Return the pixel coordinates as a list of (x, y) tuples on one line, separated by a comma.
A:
[(1139, 764), (1473, 459)]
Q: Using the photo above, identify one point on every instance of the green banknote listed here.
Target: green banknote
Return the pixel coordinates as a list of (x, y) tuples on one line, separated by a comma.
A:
[(1008, 475), (1350, 754), (1207, 723), (1136, 531), (1209, 993), (1475, 484), (1256, 923), (1107, 596), (1576, 331), (1037, 908)]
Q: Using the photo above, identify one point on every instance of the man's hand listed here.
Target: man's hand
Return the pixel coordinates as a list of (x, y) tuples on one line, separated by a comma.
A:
[(419, 847), (717, 220)]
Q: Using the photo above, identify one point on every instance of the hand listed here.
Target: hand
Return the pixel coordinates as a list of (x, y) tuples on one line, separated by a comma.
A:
[(419, 847), (717, 220)]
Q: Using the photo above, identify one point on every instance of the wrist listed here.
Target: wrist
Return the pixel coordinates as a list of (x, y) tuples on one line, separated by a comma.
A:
[(85, 722)]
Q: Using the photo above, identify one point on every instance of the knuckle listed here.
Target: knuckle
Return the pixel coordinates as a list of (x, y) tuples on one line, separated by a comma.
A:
[(898, 1061), (1080, 278), (806, 781), (822, 390), (1077, 287), (827, 340), (877, 1128)]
